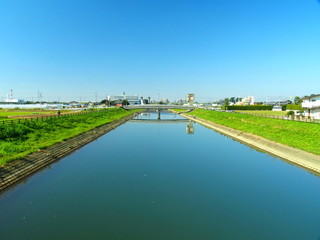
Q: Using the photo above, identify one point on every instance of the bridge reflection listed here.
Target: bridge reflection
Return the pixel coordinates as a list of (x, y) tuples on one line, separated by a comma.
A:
[(168, 117)]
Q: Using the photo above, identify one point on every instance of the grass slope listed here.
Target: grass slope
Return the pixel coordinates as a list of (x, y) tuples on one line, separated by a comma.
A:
[(19, 140), (304, 136), (6, 114), (180, 110), (268, 113)]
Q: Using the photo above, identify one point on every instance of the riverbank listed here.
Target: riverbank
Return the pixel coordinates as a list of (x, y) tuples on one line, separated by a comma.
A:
[(20, 138), (18, 170), (292, 155)]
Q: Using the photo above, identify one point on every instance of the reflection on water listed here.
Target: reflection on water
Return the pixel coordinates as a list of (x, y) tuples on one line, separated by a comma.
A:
[(190, 128), (167, 117)]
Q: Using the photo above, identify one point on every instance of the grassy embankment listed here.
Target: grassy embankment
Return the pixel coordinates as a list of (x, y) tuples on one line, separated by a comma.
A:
[(5, 113), (180, 110), (267, 113), (304, 136), (19, 140)]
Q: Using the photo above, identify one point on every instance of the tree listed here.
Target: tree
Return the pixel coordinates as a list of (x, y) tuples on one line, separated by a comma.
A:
[(125, 102), (290, 113), (233, 100), (297, 100), (107, 102), (145, 101), (238, 99), (226, 101)]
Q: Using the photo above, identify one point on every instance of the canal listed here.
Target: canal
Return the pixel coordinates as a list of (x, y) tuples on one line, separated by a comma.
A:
[(167, 179)]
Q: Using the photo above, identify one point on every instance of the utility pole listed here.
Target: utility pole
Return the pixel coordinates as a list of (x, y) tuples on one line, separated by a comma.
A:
[(40, 97)]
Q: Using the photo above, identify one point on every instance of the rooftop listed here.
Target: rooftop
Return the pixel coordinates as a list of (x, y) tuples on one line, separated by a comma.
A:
[(311, 96)]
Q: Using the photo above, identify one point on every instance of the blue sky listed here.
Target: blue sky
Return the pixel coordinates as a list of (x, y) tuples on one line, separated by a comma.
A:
[(215, 49)]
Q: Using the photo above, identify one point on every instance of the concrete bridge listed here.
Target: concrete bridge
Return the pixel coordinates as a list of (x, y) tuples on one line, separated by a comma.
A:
[(160, 120), (157, 107)]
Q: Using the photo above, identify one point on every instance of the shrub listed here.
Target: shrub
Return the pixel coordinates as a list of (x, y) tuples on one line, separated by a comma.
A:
[(14, 131), (294, 107), (290, 113)]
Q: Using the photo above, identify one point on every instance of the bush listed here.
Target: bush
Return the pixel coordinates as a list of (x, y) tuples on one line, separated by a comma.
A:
[(14, 131), (294, 107), (290, 113)]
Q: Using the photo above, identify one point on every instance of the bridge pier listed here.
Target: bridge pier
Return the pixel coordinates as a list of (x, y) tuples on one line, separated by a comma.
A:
[(159, 114)]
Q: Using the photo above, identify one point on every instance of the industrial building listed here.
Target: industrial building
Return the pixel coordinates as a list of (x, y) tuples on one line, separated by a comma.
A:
[(10, 98), (132, 100)]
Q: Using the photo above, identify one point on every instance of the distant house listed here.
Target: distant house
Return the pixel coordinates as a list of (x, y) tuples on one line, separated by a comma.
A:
[(277, 108), (118, 102), (311, 106)]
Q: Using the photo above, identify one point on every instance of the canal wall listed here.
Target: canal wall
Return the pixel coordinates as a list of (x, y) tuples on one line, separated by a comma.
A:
[(18, 170), (308, 161)]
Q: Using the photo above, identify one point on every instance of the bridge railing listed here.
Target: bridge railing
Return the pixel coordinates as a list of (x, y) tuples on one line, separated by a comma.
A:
[(150, 106)]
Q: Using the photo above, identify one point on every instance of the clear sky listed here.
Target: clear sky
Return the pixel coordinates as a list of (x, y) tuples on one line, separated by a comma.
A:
[(159, 48)]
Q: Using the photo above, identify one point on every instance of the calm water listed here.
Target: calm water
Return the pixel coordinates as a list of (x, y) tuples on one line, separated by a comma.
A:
[(150, 181)]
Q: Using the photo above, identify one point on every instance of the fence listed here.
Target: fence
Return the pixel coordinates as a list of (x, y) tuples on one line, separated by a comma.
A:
[(289, 118), (46, 117)]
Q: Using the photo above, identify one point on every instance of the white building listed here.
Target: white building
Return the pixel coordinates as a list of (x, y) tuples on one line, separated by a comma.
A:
[(311, 106), (133, 100), (165, 101), (246, 101), (190, 99), (13, 100), (277, 108)]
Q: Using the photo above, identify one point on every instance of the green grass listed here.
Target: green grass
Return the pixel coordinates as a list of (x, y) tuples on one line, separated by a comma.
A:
[(269, 113), (304, 136), (19, 140), (180, 110), (12, 112), (5, 113)]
